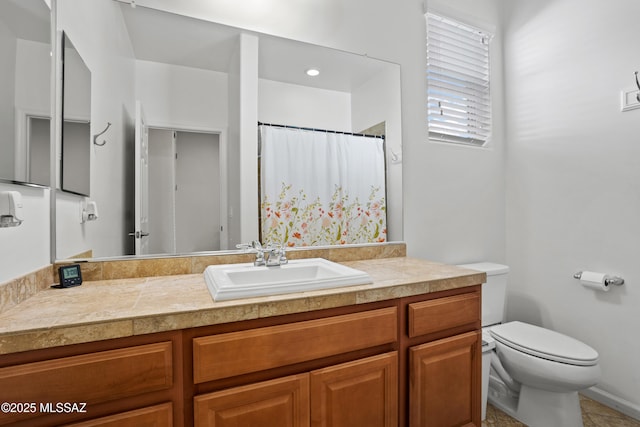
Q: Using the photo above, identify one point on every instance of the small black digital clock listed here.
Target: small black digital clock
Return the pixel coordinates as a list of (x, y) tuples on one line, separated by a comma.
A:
[(70, 275)]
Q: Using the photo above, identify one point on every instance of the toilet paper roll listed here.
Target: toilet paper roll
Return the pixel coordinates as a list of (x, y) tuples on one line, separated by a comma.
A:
[(593, 280)]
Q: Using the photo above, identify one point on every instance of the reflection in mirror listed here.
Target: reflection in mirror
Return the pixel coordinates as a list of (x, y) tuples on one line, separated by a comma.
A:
[(76, 113), (319, 187), (25, 49), (189, 78)]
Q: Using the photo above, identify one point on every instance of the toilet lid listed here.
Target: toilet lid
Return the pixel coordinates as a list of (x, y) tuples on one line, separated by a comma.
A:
[(544, 343)]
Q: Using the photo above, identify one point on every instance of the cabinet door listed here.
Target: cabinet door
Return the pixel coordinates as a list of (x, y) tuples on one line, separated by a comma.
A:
[(153, 416), (444, 385), (359, 393), (275, 403)]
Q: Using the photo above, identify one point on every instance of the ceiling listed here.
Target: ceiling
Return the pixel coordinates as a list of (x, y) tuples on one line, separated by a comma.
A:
[(168, 38)]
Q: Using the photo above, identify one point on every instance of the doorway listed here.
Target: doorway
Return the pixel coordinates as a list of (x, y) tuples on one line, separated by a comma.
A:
[(184, 191), (37, 165)]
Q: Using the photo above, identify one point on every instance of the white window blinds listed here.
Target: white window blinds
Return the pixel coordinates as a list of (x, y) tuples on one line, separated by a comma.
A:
[(458, 98)]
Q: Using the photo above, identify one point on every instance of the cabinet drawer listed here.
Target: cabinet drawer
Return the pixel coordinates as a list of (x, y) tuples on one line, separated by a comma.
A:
[(152, 416), (236, 353), (89, 378), (443, 313)]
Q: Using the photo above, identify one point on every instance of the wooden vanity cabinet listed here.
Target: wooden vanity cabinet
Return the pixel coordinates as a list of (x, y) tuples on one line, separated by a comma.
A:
[(430, 378), (444, 348), (124, 382), (309, 388), (412, 361), (358, 393)]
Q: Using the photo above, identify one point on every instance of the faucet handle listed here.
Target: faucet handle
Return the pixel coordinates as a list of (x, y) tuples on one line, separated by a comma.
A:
[(280, 251), (283, 255)]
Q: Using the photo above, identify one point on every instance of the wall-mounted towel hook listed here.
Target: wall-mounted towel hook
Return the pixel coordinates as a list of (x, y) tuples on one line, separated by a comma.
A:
[(95, 137)]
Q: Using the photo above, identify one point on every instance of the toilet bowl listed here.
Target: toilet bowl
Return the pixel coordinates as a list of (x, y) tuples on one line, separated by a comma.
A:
[(545, 359), (535, 373), (550, 367)]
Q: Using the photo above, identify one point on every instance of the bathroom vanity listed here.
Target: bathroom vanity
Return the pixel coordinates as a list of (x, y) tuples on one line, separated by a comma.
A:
[(402, 351)]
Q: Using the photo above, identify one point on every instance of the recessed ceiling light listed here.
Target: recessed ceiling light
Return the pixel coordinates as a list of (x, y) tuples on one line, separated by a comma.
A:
[(312, 72)]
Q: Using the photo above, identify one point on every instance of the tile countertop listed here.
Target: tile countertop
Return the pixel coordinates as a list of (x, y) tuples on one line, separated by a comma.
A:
[(106, 309)]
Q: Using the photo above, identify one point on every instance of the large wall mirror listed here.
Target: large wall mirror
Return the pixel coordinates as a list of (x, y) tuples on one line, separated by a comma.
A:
[(25, 106), (188, 94)]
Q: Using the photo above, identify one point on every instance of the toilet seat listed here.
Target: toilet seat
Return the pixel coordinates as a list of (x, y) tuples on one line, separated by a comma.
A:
[(544, 343)]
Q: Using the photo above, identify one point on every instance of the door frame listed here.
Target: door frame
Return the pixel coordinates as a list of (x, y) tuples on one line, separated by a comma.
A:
[(222, 167), (22, 142), (141, 178)]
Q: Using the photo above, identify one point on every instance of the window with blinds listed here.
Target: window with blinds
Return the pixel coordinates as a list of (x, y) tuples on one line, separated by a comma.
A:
[(458, 97)]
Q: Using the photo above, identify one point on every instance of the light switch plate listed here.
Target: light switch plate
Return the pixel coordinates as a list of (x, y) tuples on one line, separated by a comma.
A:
[(630, 99)]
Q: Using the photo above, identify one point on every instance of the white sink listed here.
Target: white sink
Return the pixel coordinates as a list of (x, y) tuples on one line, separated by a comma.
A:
[(233, 281)]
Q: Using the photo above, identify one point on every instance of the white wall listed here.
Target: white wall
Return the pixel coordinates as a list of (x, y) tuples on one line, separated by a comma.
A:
[(454, 195), (242, 143), (295, 105), (248, 138), (32, 97), (25, 248), (98, 32), (375, 101), (573, 175), (233, 153), (33, 70), (181, 96)]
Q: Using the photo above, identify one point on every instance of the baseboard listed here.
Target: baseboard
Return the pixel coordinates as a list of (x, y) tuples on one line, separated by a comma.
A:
[(612, 401)]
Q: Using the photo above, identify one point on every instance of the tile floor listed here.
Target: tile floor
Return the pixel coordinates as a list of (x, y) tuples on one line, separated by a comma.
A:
[(594, 414)]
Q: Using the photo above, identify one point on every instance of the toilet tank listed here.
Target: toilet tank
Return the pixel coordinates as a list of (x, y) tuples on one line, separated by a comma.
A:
[(494, 291)]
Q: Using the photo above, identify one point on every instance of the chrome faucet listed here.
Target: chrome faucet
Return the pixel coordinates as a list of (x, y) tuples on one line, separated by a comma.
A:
[(270, 255), (276, 255)]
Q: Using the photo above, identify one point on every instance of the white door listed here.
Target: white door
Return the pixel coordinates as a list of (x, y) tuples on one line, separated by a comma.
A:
[(162, 185), (197, 192), (142, 183)]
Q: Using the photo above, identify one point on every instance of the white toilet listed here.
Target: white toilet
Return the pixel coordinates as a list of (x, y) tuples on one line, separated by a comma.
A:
[(535, 373)]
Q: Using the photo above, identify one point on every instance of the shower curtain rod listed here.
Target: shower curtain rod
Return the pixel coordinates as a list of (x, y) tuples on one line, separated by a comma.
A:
[(321, 130)]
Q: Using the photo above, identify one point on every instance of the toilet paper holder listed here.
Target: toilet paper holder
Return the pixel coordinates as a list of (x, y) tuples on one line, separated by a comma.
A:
[(609, 280)]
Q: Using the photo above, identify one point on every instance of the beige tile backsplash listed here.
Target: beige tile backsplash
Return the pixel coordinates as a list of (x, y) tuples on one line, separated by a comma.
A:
[(17, 290)]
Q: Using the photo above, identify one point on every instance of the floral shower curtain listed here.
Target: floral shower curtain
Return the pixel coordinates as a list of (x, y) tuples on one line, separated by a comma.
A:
[(321, 188)]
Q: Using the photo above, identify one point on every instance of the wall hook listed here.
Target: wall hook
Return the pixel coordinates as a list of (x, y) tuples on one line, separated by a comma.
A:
[(637, 84), (95, 137)]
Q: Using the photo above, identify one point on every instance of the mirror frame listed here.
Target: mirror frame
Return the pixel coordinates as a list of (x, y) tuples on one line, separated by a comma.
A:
[(56, 107)]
